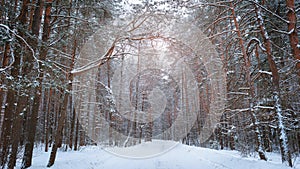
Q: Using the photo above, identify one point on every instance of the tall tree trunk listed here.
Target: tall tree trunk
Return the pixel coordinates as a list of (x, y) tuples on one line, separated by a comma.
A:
[(110, 130), (31, 14), (72, 108), (254, 119), (5, 62), (10, 108), (10, 99), (292, 29), (47, 124), (33, 117), (285, 153), (59, 130), (6, 126), (20, 99), (76, 135), (64, 108), (16, 130), (2, 15), (73, 119), (31, 124)]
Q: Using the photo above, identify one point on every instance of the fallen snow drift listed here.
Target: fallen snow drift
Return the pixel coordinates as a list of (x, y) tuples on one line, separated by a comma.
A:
[(177, 157)]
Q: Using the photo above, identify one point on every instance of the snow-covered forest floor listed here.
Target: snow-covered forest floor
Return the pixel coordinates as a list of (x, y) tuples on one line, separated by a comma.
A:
[(178, 157)]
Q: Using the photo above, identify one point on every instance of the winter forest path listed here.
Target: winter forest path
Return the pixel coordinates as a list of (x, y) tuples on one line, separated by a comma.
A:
[(179, 157)]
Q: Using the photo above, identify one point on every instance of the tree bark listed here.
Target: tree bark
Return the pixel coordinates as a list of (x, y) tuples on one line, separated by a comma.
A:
[(5, 63), (285, 152), (6, 126), (73, 111), (64, 109), (254, 119), (76, 135), (16, 130), (19, 99), (59, 130), (293, 35), (10, 108), (32, 119), (47, 124)]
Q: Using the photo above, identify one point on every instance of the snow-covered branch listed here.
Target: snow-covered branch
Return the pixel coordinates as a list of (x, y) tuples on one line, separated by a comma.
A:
[(284, 32), (26, 43), (238, 110), (265, 72), (263, 107), (103, 59), (269, 11), (255, 40), (239, 93)]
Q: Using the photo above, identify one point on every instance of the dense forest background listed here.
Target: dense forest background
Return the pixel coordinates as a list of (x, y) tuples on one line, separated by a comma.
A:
[(257, 40)]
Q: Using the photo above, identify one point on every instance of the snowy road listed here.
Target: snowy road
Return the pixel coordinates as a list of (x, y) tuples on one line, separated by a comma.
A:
[(179, 157)]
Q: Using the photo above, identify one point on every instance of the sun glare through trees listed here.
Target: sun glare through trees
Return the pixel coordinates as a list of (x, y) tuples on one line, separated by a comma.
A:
[(140, 78)]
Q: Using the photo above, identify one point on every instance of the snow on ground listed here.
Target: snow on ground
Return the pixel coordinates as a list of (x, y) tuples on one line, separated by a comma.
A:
[(174, 156)]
